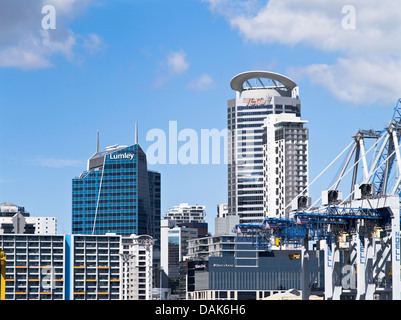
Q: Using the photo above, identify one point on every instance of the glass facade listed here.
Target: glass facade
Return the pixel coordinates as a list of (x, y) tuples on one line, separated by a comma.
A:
[(117, 194), (245, 118)]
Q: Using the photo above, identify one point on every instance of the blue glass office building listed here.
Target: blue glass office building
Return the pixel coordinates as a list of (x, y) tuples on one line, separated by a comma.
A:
[(117, 194)]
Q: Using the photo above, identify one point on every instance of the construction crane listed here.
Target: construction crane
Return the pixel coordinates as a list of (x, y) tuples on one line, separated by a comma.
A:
[(2, 275)]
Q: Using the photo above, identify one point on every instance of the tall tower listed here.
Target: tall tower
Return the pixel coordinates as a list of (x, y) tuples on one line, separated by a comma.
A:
[(258, 94), (285, 164), (118, 194)]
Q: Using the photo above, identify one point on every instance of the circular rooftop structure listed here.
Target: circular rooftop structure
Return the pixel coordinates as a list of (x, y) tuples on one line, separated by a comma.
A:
[(242, 82)]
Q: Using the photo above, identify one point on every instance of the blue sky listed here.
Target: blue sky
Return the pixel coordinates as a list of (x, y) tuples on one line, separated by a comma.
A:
[(109, 64)]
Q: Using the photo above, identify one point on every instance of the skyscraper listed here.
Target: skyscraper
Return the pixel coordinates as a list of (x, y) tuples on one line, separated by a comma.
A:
[(117, 194), (258, 94), (285, 163)]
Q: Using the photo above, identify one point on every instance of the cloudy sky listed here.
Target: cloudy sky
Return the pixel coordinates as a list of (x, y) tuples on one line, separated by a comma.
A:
[(108, 64)]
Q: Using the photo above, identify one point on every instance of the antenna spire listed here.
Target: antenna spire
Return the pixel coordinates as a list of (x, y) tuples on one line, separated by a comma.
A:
[(136, 132), (97, 142)]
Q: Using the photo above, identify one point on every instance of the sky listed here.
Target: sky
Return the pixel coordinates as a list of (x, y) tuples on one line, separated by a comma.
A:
[(88, 66)]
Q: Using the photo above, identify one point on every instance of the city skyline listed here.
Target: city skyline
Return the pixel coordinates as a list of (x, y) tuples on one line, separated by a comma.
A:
[(156, 62)]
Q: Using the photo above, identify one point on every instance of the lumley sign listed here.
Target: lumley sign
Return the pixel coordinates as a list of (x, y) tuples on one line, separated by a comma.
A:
[(124, 155)]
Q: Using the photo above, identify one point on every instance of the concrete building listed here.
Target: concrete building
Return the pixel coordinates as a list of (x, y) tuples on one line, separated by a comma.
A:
[(137, 255), (14, 219), (8, 209), (285, 163), (44, 225), (258, 94), (214, 246), (19, 224), (94, 267), (78, 267), (222, 210), (35, 266), (224, 223), (185, 213)]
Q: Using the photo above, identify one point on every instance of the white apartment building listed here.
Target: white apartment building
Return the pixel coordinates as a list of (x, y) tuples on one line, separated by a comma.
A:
[(137, 255), (185, 213), (14, 219), (36, 225), (285, 163), (43, 225)]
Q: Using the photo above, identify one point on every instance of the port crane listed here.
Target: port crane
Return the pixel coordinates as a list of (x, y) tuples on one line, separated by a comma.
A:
[(368, 219)]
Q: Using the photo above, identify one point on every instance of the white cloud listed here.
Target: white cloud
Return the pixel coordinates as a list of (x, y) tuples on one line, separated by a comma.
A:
[(357, 81), (68, 7), (369, 55), (319, 23), (93, 43), (204, 82), (56, 163), (17, 57), (176, 62), (26, 45)]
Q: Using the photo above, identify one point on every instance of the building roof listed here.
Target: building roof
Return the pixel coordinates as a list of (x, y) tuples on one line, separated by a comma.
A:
[(291, 294), (237, 83), (108, 151), (8, 204)]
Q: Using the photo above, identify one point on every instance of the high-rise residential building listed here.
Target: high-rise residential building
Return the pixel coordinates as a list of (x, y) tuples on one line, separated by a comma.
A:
[(35, 266), (93, 267), (117, 194), (285, 163), (258, 94), (189, 216), (185, 213), (77, 267), (137, 263)]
